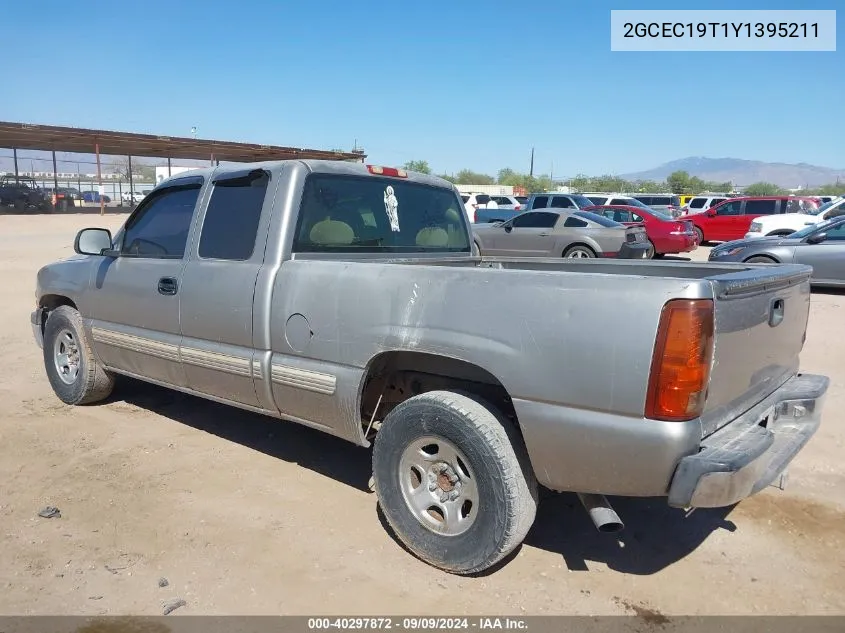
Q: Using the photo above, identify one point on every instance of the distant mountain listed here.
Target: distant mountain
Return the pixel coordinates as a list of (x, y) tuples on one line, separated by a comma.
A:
[(744, 172)]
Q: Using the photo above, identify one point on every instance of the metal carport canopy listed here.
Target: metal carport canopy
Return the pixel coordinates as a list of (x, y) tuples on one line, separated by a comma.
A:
[(81, 140)]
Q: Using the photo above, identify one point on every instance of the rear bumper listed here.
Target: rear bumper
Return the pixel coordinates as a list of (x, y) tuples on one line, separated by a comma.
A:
[(676, 244), (633, 251), (750, 453), (35, 321)]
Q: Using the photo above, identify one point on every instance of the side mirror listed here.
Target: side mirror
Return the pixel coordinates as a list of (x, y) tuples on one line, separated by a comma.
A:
[(508, 228), (818, 238), (92, 241), (711, 212)]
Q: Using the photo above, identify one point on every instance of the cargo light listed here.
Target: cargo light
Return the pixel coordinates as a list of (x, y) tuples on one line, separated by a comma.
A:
[(680, 366), (387, 171)]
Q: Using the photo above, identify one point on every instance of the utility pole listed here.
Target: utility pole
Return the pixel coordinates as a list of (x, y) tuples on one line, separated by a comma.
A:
[(531, 169)]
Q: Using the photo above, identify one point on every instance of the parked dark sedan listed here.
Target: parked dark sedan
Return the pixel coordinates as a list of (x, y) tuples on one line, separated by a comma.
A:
[(821, 246)]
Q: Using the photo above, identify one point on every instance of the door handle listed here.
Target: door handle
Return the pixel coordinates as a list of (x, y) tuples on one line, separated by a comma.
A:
[(776, 312), (545, 234), (167, 286)]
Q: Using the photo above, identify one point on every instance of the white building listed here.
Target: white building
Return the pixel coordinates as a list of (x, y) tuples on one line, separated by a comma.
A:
[(164, 171), (490, 190)]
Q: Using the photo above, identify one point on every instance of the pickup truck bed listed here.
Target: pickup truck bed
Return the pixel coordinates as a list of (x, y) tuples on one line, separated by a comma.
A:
[(474, 379)]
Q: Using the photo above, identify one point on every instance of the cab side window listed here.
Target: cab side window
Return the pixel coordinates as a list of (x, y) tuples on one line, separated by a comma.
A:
[(730, 208), (540, 202), (231, 220), (562, 202), (160, 226), (541, 220)]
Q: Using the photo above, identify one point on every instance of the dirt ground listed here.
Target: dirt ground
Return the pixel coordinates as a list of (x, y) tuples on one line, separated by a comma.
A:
[(247, 515)]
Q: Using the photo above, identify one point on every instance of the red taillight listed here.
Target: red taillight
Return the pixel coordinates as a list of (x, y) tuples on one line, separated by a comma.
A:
[(680, 366), (517, 208), (387, 171)]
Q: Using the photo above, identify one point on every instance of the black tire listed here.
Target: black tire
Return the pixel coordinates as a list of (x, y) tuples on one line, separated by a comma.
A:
[(20, 204), (760, 259), (700, 234), (652, 252), (507, 490), (583, 251), (92, 383)]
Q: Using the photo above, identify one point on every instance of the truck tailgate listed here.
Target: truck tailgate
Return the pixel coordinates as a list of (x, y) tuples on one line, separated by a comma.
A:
[(761, 324)]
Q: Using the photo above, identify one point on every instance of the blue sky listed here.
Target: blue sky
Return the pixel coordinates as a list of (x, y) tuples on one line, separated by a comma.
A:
[(459, 84)]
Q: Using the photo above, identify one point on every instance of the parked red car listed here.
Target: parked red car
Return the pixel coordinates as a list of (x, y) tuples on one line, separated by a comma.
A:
[(731, 219), (666, 234)]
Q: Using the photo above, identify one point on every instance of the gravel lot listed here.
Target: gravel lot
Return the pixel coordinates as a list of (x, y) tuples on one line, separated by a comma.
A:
[(243, 514)]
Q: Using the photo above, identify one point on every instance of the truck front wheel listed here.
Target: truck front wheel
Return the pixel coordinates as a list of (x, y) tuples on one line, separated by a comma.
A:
[(74, 373), (454, 481)]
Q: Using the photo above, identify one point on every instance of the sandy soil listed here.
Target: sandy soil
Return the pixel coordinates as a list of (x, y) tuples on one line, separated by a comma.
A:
[(243, 514)]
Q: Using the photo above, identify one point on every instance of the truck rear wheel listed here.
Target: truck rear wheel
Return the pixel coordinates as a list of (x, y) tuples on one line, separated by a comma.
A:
[(454, 482), (74, 373)]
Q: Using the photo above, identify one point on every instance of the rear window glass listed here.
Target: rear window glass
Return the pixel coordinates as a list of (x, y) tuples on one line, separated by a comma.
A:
[(582, 201), (562, 202), (522, 199), (599, 200), (697, 203), (354, 214), (598, 219)]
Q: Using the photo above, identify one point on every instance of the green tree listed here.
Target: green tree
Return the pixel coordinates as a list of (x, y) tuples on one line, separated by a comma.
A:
[(836, 189), (451, 179), (762, 189), (679, 182), (648, 186), (469, 177), (724, 187), (508, 176), (420, 166)]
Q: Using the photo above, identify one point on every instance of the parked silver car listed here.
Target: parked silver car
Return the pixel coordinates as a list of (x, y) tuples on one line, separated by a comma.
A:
[(821, 246), (561, 233)]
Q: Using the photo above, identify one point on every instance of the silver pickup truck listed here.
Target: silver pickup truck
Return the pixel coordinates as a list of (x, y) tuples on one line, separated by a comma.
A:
[(349, 298)]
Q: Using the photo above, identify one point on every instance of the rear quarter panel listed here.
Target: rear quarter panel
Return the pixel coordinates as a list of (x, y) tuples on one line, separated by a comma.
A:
[(573, 345)]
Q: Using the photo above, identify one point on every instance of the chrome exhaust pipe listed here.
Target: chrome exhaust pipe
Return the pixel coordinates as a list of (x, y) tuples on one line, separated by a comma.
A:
[(604, 517)]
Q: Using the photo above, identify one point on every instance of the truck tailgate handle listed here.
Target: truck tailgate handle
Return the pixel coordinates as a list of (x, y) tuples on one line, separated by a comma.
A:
[(167, 286), (776, 312)]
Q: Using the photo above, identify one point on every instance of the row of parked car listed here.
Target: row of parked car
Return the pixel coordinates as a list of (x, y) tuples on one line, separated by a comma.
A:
[(772, 229), (553, 224), (23, 193)]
